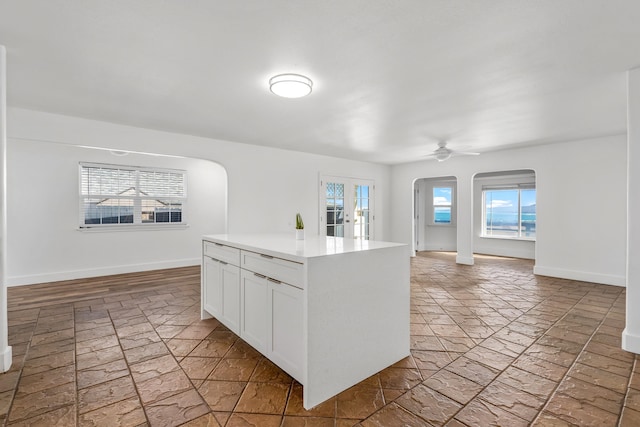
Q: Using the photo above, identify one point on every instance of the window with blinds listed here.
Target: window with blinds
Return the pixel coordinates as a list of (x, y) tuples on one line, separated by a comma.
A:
[(129, 195)]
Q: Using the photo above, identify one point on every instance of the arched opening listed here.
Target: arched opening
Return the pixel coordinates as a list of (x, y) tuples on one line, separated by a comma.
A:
[(505, 213), (435, 216)]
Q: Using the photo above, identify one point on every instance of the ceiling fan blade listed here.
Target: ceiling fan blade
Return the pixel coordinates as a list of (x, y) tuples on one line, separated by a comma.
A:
[(464, 153)]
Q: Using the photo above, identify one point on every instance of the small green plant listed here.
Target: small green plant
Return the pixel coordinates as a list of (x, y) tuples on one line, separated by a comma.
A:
[(299, 223)]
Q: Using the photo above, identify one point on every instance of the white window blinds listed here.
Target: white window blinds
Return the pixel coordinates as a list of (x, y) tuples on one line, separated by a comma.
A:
[(128, 195)]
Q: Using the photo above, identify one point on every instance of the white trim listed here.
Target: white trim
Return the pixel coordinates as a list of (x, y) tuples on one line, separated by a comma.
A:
[(630, 342), (5, 348), (464, 260), (583, 276), (437, 248), (507, 252), (6, 359), (97, 272)]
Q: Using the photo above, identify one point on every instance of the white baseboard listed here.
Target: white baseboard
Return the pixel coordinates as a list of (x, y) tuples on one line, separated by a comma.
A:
[(583, 276), (505, 252), (97, 272), (464, 260), (630, 342), (439, 248), (6, 358)]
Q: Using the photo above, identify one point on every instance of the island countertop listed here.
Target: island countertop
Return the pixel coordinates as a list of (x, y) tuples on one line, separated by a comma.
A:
[(286, 246)]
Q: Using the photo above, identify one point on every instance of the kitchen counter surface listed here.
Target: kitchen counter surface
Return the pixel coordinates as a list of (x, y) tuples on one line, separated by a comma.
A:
[(287, 247)]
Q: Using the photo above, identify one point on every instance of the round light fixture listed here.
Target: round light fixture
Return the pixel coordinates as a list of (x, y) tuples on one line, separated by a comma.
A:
[(290, 85)]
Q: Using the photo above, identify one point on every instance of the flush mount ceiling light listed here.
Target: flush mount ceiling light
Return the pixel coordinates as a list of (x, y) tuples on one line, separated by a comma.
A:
[(290, 85)]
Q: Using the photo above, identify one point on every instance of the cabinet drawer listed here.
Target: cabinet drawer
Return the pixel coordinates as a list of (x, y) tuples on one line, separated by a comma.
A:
[(286, 271), (222, 253)]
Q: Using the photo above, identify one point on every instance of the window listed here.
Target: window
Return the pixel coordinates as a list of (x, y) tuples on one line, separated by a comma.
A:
[(128, 195), (442, 205), (509, 212)]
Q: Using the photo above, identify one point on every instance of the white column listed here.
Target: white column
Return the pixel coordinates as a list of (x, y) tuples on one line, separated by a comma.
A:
[(465, 220), (5, 348), (631, 333)]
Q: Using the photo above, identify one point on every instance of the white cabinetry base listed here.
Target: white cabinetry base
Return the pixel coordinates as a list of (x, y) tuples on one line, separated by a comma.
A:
[(329, 311)]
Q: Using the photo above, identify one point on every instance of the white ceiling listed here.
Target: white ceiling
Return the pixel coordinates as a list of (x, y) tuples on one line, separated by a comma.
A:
[(391, 76)]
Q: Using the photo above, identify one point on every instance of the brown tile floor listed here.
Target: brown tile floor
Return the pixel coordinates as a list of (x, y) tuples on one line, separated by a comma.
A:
[(491, 344)]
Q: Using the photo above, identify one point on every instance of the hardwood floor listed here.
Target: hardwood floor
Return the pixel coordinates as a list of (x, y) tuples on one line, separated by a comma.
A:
[(492, 344)]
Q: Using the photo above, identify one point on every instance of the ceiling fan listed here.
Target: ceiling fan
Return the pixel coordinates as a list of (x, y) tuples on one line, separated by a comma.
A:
[(442, 153)]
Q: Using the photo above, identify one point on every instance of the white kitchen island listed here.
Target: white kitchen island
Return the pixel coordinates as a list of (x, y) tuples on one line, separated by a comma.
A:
[(329, 311)]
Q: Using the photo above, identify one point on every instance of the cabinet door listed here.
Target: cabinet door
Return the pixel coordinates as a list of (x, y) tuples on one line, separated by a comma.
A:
[(231, 297), (253, 322), (212, 289), (285, 330)]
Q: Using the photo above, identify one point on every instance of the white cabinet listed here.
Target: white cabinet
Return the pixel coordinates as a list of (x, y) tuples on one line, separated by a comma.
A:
[(251, 301), (221, 285), (212, 286), (230, 316), (254, 309), (286, 343), (329, 311), (271, 320)]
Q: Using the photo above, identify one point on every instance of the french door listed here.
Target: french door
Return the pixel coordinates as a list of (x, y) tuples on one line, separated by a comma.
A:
[(346, 207)]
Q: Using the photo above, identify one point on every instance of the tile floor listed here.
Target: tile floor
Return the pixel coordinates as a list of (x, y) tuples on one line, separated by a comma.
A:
[(491, 344)]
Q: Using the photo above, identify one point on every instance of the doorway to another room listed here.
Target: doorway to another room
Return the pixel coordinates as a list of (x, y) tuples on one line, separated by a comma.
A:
[(435, 215)]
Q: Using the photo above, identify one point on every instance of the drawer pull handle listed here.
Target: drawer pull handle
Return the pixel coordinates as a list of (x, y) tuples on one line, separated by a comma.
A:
[(218, 244), (223, 263), (278, 282), (259, 275), (266, 256)]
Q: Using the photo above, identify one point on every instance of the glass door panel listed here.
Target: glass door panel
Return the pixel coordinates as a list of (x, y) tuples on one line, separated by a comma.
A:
[(346, 208), (335, 209), (361, 212)]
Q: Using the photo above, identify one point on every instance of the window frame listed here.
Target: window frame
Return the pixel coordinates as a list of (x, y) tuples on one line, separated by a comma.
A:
[(506, 187), (451, 206), (137, 199)]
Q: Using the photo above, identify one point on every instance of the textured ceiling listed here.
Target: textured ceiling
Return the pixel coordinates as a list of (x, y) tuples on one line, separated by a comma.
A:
[(391, 77)]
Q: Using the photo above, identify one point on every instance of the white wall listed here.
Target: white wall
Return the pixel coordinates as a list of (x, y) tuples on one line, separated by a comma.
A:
[(581, 204), (43, 237), (496, 246), (266, 187), (435, 237)]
